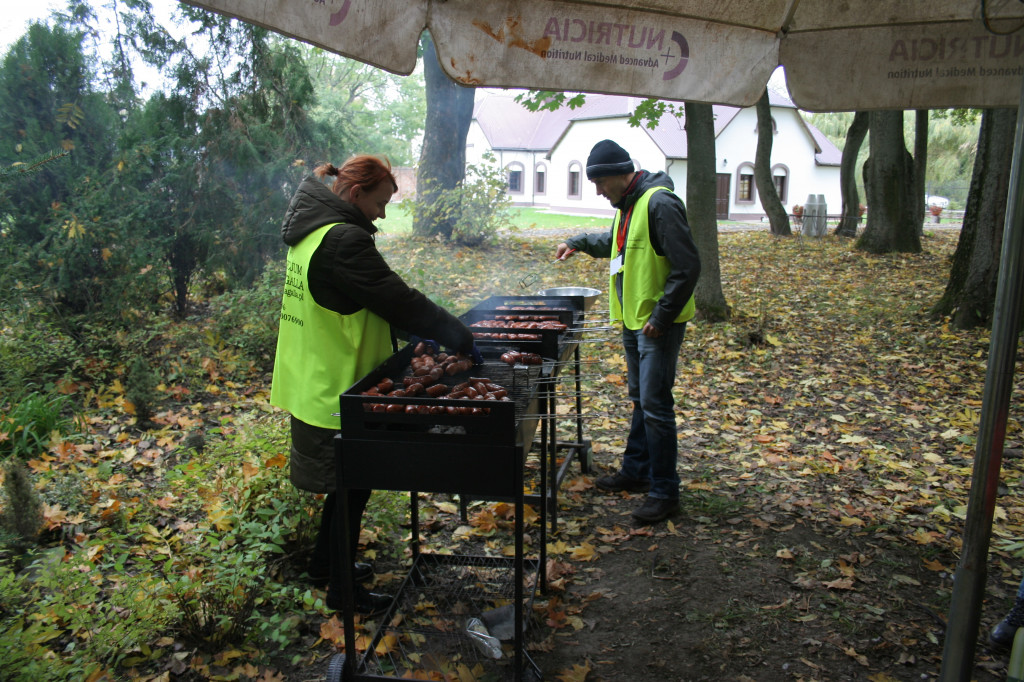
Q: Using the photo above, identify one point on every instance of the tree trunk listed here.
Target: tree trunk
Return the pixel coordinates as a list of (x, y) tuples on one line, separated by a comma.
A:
[(971, 291), (889, 185), (855, 135), (920, 165), (443, 158), (700, 210), (773, 208)]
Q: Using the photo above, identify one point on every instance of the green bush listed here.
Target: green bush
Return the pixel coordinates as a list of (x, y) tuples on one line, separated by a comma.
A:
[(477, 208), (247, 319), (26, 429), (100, 620), (33, 351), (23, 513), (140, 389), (216, 588)]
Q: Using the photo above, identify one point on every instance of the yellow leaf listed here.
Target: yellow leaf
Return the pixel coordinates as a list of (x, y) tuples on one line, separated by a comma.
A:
[(784, 554), (925, 537), (249, 470), (387, 644), (880, 677), (585, 552), (74, 228), (860, 658), (333, 631), (840, 584), (578, 673), (851, 521), (852, 440), (557, 547), (220, 518)]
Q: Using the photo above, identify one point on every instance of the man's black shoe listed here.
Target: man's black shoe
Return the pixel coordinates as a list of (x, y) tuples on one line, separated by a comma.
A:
[(366, 603), (1002, 635), (655, 509), (617, 482), (319, 576), (362, 573)]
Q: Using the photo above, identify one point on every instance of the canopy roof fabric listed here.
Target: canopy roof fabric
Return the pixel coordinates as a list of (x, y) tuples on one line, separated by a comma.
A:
[(854, 54)]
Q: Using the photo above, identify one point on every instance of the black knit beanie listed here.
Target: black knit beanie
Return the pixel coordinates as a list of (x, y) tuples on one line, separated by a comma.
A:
[(608, 158)]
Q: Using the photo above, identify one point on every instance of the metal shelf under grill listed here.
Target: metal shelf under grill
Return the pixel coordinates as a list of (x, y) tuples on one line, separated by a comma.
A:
[(425, 630)]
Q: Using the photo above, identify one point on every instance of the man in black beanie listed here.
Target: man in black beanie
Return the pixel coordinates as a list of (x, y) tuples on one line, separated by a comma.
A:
[(654, 269)]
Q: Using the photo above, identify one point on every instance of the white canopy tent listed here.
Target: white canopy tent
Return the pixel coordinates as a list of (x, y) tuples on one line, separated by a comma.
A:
[(851, 55), (839, 55)]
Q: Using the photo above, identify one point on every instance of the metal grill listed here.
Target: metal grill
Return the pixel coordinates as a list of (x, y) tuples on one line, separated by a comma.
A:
[(480, 456)]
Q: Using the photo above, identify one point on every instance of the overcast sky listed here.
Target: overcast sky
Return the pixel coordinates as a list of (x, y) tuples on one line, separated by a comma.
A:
[(18, 13)]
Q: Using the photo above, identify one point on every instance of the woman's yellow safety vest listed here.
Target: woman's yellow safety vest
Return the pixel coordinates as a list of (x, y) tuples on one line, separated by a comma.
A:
[(643, 271), (320, 353)]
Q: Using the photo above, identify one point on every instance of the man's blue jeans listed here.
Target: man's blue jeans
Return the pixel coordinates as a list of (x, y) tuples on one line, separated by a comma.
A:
[(652, 448)]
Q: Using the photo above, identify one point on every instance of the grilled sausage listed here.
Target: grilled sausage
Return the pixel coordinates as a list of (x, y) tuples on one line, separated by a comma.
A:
[(437, 390)]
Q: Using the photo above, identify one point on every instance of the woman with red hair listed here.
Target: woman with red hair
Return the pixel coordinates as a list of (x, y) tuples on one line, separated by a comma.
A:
[(340, 306)]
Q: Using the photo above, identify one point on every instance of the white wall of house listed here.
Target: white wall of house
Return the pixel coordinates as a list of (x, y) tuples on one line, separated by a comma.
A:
[(573, 149), (532, 191), (792, 150), (792, 153)]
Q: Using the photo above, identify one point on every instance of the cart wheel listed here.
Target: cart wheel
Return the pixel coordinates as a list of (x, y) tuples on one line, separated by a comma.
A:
[(336, 668)]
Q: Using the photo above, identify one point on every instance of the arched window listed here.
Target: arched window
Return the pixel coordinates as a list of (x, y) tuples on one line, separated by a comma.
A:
[(746, 193), (780, 176), (575, 180), (515, 177), (540, 177)]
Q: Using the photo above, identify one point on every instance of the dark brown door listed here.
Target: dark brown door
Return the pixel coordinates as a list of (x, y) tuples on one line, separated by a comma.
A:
[(722, 196)]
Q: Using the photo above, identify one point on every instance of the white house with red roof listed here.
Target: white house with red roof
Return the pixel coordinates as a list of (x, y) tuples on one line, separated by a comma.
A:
[(545, 153)]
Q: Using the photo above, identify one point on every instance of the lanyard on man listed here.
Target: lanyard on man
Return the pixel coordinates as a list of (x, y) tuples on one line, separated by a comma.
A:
[(624, 223)]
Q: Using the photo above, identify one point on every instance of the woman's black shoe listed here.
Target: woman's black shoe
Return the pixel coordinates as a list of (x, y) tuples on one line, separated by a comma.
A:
[(319, 576), (366, 603)]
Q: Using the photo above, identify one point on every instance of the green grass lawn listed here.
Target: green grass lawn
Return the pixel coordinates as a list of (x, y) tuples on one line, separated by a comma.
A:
[(399, 221)]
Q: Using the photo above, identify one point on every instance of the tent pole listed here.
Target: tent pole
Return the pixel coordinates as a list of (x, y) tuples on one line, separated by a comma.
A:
[(969, 585)]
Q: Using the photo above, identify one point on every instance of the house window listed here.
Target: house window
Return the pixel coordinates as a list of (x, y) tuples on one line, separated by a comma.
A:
[(780, 176), (745, 184), (575, 174), (539, 178), (515, 178), (780, 186)]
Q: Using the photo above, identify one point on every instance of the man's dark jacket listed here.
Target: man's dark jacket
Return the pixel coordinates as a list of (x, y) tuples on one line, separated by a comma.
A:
[(670, 237)]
